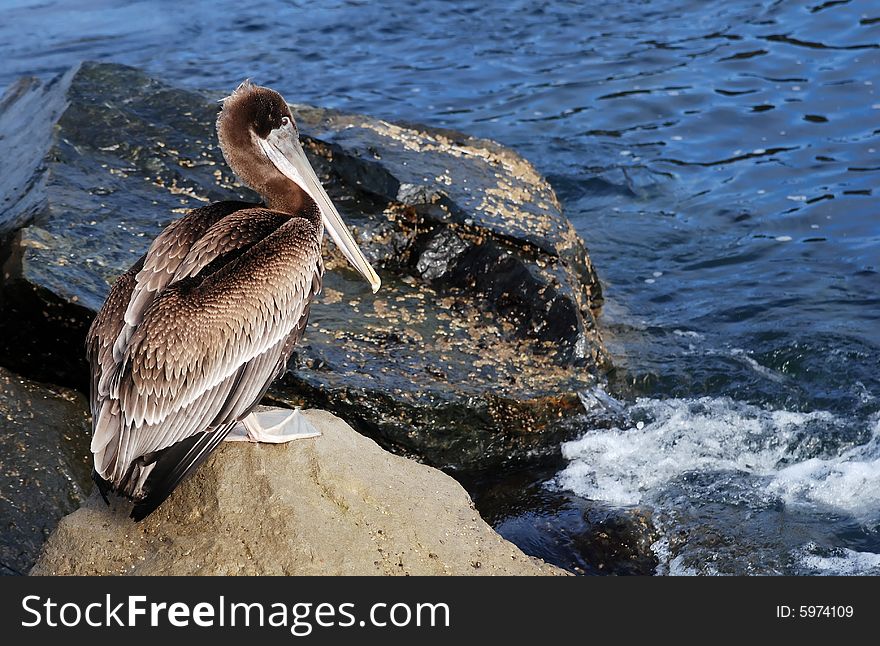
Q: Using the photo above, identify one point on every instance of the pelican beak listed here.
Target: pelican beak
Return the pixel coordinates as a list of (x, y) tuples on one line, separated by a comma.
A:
[(283, 149)]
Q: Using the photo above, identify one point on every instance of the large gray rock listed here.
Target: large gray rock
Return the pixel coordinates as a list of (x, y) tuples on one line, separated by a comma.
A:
[(468, 357), (337, 504), (44, 465)]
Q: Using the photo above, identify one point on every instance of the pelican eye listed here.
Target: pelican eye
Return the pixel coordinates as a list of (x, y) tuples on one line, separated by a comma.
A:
[(285, 121)]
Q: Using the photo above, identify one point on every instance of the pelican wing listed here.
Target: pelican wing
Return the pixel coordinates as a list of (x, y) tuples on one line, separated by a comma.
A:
[(169, 249), (105, 329), (132, 292), (155, 272), (207, 344)]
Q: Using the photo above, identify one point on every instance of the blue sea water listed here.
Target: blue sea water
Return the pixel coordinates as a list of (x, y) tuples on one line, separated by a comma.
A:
[(721, 161)]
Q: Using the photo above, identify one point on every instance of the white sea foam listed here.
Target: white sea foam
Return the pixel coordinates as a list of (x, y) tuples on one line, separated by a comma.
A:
[(624, 466), (670, 564), (840, 562), (849, 482)]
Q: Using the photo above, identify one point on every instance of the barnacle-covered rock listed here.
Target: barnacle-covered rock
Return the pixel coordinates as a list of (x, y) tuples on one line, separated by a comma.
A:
[(468, 357)]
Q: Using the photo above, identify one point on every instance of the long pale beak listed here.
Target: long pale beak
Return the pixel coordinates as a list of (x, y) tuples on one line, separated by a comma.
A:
[(283, 149)]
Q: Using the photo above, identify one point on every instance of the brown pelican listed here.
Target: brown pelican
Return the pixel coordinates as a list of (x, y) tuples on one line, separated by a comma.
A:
[(191, 336)]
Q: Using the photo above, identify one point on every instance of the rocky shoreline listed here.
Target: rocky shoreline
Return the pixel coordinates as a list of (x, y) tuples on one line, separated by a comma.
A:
[(470, 357)]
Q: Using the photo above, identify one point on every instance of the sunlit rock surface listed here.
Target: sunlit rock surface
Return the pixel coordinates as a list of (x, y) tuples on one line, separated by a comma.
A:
[(336, 504)]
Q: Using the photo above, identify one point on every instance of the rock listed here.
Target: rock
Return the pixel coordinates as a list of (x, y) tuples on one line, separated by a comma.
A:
[(338, 504), (468, 357), (44, 465), (24, 149), (581, 536)]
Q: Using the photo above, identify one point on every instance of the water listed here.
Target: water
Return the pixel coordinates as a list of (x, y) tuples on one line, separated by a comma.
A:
[(721, 162)]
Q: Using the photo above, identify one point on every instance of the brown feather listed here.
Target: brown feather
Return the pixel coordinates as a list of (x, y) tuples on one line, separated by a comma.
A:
[(243, 289)]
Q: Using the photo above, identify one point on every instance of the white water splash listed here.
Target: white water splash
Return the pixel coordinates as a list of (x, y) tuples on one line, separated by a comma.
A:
[(849, 482), (679, 436), (840, 562)]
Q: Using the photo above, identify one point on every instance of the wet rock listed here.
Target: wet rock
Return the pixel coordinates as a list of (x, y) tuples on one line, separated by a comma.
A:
[(44, 465), (24, 149), (441, 254), (468, 355), (337, 504), (582, 536)]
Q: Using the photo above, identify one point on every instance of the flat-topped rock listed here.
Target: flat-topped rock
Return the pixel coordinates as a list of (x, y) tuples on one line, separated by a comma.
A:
[(336, 504)]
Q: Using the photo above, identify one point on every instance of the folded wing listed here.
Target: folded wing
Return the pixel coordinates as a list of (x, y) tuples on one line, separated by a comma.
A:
[(187, 343)]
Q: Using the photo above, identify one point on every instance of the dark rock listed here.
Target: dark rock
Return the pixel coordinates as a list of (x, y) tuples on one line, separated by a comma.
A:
[(582, 536), (468, 356), (44, 465), (24, 149), (441, 254)]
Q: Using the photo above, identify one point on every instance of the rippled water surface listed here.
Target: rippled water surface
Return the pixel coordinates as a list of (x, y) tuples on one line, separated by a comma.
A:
[(721, 162)]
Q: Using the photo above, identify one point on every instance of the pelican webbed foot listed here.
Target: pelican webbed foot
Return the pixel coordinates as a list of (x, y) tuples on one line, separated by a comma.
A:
[(273, 427)]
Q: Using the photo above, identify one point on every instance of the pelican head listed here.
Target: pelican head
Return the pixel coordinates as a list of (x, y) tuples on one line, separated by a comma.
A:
[(260, 142)]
